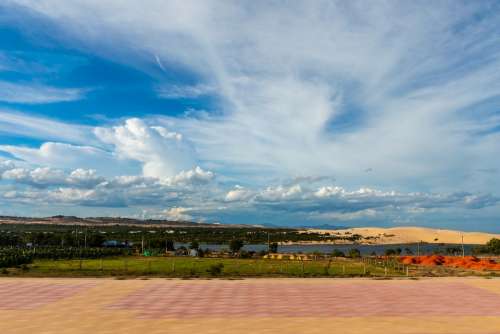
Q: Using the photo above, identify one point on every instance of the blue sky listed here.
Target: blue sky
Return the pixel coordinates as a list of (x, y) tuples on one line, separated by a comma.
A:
[(345, 113)]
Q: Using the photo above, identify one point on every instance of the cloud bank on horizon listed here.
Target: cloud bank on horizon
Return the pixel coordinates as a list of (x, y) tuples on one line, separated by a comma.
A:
[(304, 113)]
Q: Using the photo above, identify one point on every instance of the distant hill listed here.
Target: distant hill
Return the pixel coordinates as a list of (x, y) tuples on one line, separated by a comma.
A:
[(107, 221)]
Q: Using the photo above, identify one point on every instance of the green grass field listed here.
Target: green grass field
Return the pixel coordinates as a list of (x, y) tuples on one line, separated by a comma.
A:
[(200, 267)]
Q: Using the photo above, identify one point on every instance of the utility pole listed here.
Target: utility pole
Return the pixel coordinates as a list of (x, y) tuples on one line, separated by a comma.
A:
[(76, 236), (85, 239), (142, 244), (463, 248), (268, 244)]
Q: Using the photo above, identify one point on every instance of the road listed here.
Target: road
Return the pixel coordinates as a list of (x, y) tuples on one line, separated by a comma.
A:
[(440, 305)]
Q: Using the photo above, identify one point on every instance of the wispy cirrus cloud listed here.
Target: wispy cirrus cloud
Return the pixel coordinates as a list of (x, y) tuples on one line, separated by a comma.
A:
[(185, 92), (28, 93), (366, 91), (13, 122)]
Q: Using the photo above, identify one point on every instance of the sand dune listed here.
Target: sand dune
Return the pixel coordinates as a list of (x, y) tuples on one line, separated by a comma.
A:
[(397, 235)]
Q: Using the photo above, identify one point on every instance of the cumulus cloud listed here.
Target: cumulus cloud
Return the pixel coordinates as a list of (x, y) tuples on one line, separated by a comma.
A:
[(84, 178), (161, 152), (340, 203), (239, 193), (6, 165), (67, 156), (38, 176), (84, 187), (280, 193), (177, 214), (193, 176), (48, 177)]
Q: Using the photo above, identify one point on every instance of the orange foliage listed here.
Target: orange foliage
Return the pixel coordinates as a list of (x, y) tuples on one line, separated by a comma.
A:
[(468, 262)]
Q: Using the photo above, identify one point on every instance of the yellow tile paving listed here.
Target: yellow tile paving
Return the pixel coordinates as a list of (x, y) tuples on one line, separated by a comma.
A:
[(90, 309)]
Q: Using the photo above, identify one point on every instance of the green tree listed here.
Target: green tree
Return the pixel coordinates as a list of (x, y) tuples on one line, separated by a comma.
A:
[(194, 245), (235, 245), (354, 253), (338, 253), (493, 246), (273, 248), (170, 245), (390, 252)]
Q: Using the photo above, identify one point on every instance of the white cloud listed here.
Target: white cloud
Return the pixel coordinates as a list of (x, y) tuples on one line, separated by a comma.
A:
[(177, 214), (280, 193), (193, 176), (85, 187), (6, 165), (239, 193), (84, 178), (37, 94), (41, 176), (67, 156), (161, 152), (339, 203), (49, 177), (328, 191)]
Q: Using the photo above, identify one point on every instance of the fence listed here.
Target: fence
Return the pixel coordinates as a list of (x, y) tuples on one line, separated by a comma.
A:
[(183, 266)]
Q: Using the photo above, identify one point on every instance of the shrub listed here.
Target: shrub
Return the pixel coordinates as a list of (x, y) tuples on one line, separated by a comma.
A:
[(491, 247), (273, 248), (215, 269), (354, 253), (390, 252), (235, 245), (338, 253)]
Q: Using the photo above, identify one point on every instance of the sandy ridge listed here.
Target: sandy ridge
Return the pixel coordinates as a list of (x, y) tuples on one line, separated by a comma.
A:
[(413, 234)]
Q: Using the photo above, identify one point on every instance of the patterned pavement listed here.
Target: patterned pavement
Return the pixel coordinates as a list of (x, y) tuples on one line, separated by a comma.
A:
[(445, 305)]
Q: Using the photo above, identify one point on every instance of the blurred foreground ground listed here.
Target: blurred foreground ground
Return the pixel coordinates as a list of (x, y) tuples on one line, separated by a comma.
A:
[(74, 305)]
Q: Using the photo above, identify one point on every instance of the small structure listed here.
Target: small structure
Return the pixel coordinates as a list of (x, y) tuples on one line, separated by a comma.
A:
[(193, 252), (181, 251), (287, 256)]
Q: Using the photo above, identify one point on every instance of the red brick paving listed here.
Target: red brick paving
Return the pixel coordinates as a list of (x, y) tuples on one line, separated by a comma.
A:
[(268, 299)]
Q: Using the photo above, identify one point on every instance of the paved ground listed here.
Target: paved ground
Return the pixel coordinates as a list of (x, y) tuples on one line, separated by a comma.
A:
[(296, 306)]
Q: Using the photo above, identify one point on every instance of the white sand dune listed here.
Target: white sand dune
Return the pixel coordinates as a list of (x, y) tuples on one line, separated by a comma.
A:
[(397, 235)]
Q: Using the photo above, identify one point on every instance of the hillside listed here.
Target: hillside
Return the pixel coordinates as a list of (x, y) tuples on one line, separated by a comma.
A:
[(108, 221)]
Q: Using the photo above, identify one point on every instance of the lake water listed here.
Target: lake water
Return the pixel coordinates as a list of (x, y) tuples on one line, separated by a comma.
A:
[(425, 249)]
